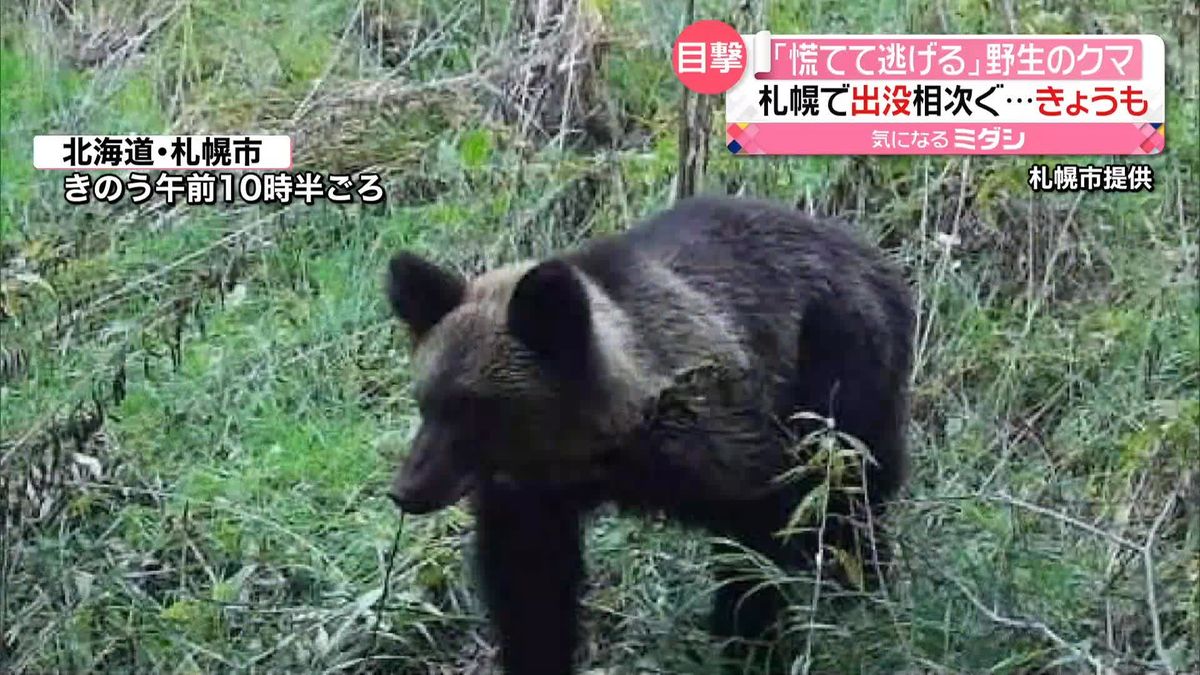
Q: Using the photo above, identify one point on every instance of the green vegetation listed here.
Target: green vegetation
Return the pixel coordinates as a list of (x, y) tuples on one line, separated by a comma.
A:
[(226, 512)]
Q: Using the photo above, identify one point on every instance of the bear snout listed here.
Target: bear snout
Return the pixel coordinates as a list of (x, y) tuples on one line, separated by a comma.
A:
[(431, 478)]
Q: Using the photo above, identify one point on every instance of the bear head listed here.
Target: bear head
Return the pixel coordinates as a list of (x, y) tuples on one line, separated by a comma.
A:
[(516, 372)]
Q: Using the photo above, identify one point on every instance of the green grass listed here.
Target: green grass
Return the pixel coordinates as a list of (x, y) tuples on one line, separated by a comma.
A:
[(255, 393)]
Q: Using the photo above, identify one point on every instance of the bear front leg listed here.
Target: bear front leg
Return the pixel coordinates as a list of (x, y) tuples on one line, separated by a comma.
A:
[(748, 605), (531, 563), (744, 612)]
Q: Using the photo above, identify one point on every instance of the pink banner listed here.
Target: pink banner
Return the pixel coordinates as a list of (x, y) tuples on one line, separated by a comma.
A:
[(1094, 57), (1041, 138)]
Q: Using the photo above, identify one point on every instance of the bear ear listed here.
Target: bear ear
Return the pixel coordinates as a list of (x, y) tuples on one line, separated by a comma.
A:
[(550, 314), (420, 292)]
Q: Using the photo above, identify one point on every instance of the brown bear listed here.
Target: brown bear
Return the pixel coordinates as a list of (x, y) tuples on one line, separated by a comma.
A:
[(541, 393)]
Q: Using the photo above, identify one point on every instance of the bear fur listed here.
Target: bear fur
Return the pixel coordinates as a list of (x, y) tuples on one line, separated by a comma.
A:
[(660, 369)]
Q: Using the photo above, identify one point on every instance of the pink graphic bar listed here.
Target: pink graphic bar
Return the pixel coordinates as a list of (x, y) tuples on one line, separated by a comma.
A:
[(783, 138), (947, 57)]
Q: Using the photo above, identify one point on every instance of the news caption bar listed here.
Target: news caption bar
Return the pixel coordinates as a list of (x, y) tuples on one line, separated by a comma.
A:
[(194, 170), (162, 153), (942, 94)]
